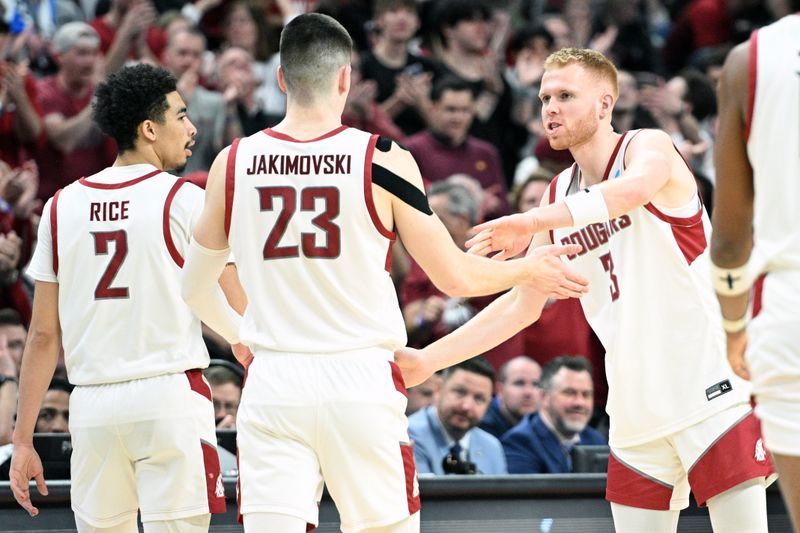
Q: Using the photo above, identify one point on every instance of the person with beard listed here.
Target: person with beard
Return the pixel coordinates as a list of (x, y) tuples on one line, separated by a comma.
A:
[(518, 395), (681, 419), (447, 439), (542, 443)]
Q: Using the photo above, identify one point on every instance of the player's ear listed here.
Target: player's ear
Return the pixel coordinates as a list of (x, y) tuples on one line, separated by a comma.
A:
[(281, 80), (343, 79), (606, 105), (147, 130)]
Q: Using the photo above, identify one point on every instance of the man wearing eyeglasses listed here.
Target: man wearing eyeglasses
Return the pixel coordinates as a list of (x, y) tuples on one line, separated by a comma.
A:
[(446, 437)]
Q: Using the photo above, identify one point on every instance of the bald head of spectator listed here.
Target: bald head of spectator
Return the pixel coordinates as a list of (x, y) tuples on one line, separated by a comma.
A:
[(518, 388)]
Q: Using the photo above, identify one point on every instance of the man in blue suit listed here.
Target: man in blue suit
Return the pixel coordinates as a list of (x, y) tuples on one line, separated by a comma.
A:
[(542, 442), (445, 435)]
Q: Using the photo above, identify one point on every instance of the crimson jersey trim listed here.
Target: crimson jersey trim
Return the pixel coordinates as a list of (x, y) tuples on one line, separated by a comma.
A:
[(613, 157), (109, 186), (752, 67), (54, 230), (284, 137), (230, 178), (368, 199), (173, 250)]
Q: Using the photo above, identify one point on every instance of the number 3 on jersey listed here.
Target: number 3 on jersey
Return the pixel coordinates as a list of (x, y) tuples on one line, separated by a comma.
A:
[(608, 266), (324, 221), (104, 290)]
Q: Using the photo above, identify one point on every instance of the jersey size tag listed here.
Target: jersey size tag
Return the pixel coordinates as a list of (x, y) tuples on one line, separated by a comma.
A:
[(719, 389)]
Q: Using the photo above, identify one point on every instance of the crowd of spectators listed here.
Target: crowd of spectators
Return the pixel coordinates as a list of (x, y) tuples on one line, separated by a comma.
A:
[(455, 81)]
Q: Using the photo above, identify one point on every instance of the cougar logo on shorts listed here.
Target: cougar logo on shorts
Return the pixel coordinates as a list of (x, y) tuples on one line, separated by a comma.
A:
[(761, 453), (220, 491), (415, 491)]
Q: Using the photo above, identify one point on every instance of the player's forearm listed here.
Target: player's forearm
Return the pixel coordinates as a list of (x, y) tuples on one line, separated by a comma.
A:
[(478, 276), (27, 124), (68, 133), (499, 321), (38, 365)]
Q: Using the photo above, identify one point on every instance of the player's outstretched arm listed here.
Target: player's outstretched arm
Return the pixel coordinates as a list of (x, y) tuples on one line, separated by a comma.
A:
[(449, 268), (206, 259), (38, 365), (500, 320), (648, 171), (732, 237)]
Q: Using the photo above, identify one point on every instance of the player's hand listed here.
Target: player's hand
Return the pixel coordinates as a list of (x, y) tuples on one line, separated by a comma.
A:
[(551, 276), (413, 365), (242, 353), (507, 235), (737, 343), (26, 465)]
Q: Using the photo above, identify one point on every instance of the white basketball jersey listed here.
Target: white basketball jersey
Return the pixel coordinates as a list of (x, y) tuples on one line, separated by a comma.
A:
[(773, 144), (652, 305), (115, 244), (311, 252)]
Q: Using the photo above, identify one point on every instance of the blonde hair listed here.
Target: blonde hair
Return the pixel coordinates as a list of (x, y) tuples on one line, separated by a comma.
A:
[(591, 60)]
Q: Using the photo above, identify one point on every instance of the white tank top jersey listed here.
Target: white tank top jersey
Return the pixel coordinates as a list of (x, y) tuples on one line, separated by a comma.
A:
[(311, 252), (652, 305), (115, 244), (773, 144)]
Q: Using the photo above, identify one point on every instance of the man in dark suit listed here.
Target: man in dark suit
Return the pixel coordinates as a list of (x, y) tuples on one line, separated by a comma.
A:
[(542, 442)]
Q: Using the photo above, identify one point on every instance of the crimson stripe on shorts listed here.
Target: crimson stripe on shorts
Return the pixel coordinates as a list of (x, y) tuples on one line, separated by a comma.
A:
[(197, 383), (626, 486), (758, 294), (173, 250), (54, 230), (412, 484), (397, 378), (213, 475), (733, 459), (230, 177)]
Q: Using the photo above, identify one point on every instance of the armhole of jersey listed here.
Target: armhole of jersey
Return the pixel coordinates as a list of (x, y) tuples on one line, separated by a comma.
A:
[(752, 70), (54, 230), (230, 176), (173, 251), (373, 213), (553, 185)]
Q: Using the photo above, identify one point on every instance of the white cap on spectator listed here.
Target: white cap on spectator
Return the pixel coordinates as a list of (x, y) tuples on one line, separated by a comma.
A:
[(70, 34)]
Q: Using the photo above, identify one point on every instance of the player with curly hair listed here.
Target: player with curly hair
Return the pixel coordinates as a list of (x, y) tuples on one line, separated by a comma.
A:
[(107, 268)]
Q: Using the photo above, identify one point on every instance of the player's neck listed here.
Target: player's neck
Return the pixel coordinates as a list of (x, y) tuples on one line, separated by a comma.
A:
[(304, 123), (137, 157), (592, 156)]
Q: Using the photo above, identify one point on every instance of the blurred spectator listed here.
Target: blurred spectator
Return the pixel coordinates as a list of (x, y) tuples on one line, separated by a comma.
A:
[(226, 380), (545, 161), (15, 333), (445, 435), (622, 33), (403, 78), (9, 383), (466, 28), (237, 83), (543, 441), (361, 111), (75, 147), (424, 394), (245, 27), (54, 413), (446, 148), (41, 18), (20, 120), (529, 193), (128, 31), (429, 314), (628, 114), (517, 395), (216, 120)]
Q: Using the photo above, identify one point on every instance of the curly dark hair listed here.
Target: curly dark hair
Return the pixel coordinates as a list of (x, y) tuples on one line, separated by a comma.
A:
[(128, 98)]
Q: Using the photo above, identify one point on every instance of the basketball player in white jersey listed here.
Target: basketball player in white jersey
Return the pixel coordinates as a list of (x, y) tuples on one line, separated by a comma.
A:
[(680, 418), (107, 268), (756, 232), (309, 209)]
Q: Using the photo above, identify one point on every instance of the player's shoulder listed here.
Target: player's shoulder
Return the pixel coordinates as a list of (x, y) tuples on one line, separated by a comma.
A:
[(396, 158), (649, 139)]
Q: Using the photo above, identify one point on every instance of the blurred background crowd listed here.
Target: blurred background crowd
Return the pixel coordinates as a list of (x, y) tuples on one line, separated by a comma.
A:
[(456, 82)]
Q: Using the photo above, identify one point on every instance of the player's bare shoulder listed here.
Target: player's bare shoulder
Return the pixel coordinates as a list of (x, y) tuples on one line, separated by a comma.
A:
[(396, 158)]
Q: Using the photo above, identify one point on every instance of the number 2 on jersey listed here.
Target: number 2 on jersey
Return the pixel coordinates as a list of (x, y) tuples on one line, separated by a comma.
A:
[(608, 266), (104, 290), (323, 221)]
